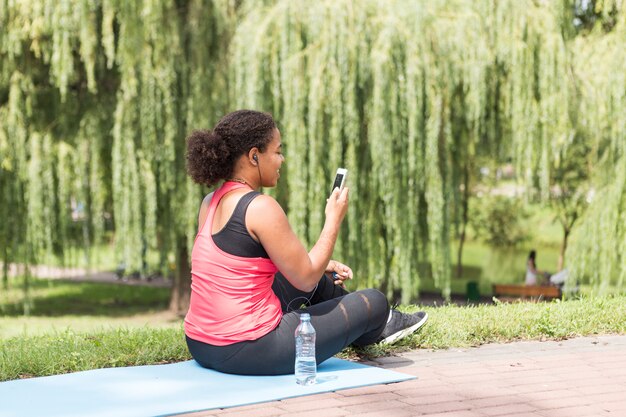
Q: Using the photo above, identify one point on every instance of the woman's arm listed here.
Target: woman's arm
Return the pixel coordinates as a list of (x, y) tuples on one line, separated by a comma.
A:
[(267, 221)]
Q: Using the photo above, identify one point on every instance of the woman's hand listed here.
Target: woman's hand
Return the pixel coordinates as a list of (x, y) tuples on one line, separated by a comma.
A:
[(337, 205), (338, 272)]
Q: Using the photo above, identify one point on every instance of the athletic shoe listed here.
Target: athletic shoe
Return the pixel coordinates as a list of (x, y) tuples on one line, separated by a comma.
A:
[(401, 325)]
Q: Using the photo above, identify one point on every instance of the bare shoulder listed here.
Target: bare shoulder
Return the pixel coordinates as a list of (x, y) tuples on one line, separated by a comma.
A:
[(265, 204), (207, 199), (268, 223), (264, 213)]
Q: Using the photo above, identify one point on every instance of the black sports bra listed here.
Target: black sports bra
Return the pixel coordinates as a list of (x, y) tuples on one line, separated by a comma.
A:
[(234, 237)]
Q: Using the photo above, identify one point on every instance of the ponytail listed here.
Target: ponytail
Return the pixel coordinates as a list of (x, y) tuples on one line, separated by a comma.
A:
[(211, 155), (209, 158)]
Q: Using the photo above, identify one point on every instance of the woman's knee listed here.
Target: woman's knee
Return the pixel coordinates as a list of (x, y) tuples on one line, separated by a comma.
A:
[(377, 301), (378, 312)]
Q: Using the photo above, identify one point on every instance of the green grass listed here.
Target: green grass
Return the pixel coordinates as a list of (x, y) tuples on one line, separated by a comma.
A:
[(24, 326), (110, 344), (52, 298), (56, 306), (453, 326), (67, 351), (76, 326)]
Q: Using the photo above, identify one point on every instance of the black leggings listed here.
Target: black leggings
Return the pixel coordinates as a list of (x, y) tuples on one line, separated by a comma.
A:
[(340, 318)]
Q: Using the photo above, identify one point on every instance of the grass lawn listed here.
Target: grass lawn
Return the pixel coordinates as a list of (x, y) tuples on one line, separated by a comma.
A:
[(80, 326), (32, 326), (82, 307)]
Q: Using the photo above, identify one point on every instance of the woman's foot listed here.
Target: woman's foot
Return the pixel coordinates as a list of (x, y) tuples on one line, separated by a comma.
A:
[(400, 325)]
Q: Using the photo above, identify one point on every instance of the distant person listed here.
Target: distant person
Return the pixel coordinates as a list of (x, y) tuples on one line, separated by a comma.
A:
[(559, 278), (250, 272), (532, 273)]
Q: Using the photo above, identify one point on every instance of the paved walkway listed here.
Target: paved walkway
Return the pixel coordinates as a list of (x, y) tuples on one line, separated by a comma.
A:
[(579, 377)]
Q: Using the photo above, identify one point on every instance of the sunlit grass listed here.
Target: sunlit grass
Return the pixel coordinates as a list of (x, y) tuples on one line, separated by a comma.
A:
[(69, 351), (57, 305), (135, 331), (453, 326), (60, 297)]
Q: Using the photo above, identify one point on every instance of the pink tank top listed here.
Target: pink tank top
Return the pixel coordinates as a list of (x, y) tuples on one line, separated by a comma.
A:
[(231, 296)]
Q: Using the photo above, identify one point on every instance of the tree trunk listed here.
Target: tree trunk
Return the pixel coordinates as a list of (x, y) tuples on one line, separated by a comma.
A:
[(27, 302), (566, 232), (181, 287), (464, 219), (5, 269)]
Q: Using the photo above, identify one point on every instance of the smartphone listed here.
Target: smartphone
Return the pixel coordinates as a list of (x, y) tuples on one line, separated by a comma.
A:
[(340, 179)]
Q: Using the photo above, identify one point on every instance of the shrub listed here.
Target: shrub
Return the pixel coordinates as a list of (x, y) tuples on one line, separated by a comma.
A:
[(499, 220)]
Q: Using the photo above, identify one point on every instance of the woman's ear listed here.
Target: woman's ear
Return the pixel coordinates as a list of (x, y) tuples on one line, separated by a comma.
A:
[(253, 156)]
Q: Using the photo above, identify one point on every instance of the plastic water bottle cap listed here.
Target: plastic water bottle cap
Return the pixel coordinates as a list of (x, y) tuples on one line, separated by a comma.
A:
[(305, 316)]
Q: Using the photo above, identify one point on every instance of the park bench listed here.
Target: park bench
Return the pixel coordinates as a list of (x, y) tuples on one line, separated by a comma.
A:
[(532, 292)]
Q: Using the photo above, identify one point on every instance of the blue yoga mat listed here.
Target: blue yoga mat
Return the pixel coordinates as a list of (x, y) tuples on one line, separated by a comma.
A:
[(158, 390)]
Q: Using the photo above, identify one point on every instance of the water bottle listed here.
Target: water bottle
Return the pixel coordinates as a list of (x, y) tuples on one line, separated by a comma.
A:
[(306, 368)]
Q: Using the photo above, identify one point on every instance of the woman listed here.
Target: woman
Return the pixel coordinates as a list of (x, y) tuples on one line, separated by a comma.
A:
[(243, 312), (532, 273), (531, 269)]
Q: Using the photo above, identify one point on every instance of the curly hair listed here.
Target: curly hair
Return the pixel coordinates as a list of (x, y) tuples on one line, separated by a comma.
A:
[(211, 155)]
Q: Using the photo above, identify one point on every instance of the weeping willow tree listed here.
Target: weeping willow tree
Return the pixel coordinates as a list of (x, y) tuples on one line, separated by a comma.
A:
[(599, 244), (96, 98), (408, 96)]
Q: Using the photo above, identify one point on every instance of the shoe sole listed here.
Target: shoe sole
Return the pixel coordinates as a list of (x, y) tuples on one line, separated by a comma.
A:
[(404, 332)]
